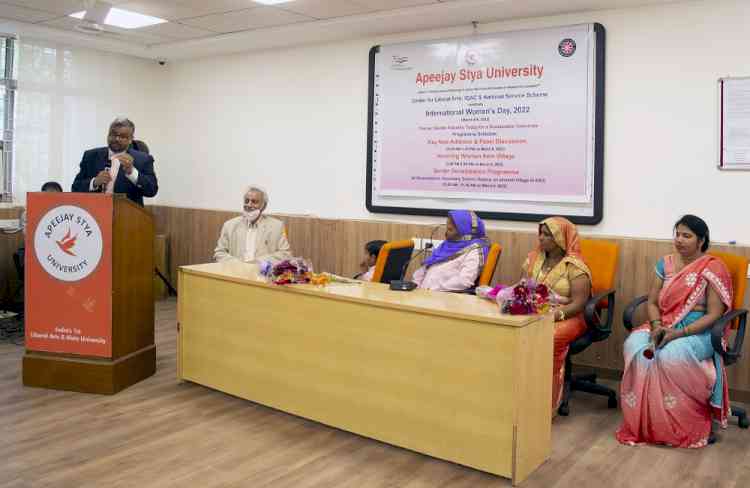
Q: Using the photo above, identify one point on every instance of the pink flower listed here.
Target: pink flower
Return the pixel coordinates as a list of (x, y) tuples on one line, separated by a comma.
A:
[(520, 291), (542, 291), (493, 293), (518, 308)]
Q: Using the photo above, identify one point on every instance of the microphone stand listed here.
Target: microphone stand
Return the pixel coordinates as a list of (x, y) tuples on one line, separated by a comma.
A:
[(406, 285), (432, 234)]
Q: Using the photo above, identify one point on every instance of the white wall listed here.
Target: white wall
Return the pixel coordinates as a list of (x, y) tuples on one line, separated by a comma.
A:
[(67, 97), (294, 120)]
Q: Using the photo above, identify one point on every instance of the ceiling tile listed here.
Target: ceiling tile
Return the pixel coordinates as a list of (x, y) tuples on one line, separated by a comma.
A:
[(185, 9), (373, 5), (174, 30), (132, 35), (241, 20), (62, 7), (324, 9), (14, 12)]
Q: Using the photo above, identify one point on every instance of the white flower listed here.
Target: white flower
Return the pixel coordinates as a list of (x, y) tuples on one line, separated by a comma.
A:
[(629, 399), (669, 401), (691, 278)]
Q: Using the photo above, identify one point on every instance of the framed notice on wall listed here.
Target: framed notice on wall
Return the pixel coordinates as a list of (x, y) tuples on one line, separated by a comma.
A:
[(734, 123), (507, 124)]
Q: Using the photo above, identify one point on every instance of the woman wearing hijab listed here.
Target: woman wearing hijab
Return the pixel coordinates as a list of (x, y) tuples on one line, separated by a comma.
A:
[(458, 261), (557, 262)]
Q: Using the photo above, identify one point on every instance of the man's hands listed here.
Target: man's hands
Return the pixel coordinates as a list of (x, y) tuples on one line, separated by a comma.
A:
[(103, 178)]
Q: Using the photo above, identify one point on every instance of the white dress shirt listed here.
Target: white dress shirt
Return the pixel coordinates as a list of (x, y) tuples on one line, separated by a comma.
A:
[(133, 176), (250, 243)]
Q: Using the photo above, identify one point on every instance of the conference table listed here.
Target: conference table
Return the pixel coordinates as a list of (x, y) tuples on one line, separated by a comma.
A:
[(442, 374)]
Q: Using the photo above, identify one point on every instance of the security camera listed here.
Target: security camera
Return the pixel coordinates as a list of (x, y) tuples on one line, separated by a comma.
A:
[(162, 62)]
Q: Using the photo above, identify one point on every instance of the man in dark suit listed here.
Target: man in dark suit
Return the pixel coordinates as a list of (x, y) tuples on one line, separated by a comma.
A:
[(118, 168)]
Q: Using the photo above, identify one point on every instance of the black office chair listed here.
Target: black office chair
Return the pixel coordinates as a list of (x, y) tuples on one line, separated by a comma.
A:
[(392, 261), (737, 266), (601, 257), (15, 298)]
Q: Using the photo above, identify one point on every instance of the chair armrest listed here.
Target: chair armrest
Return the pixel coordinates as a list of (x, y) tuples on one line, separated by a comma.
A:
[(591, 316), (732, 354), (629, 313)]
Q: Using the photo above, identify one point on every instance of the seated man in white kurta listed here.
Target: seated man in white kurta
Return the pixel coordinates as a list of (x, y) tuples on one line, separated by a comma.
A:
[(253, 237)]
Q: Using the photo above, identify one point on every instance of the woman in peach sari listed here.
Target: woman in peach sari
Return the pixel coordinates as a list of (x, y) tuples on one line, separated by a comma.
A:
[(557, 262), (674, 383)]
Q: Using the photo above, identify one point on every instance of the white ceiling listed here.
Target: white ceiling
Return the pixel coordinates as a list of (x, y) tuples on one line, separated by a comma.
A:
[(204, 27)]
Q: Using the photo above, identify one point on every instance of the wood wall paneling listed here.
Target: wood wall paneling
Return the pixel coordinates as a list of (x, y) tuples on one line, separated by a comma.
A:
[(337, 246), (160, 262)]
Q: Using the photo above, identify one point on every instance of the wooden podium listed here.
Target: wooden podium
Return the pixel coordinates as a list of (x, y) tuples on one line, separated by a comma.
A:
[(89, 293)]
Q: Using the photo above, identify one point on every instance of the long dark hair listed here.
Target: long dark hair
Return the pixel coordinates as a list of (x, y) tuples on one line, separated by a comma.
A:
[(698, 227)]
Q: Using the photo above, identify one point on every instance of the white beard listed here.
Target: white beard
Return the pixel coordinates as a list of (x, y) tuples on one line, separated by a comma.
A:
[(251, 216)]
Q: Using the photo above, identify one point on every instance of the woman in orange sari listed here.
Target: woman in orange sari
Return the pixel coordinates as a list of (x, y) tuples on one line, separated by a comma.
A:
[(557, 262)]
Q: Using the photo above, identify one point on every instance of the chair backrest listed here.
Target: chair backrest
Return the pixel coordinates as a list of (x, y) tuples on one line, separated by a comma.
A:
[(140, 146), (391, 261), (18, 262), (601, 258), (737, 266), (490, 265)]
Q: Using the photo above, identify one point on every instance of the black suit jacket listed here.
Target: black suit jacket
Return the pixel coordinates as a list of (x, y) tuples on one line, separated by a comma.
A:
[(95, 160)]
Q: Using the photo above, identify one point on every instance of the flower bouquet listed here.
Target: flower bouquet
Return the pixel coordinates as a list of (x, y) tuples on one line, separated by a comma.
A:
[(525, 298), (286, 272), (489, 292), (326, 278)]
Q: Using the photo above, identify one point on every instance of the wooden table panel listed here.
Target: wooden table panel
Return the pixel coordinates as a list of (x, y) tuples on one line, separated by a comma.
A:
[(438, 373)]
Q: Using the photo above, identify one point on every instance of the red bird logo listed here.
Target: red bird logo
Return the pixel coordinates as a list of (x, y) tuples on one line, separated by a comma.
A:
[(67, 243)]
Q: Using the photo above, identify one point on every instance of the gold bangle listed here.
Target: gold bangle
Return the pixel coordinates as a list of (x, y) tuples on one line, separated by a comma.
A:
[(561, 313)]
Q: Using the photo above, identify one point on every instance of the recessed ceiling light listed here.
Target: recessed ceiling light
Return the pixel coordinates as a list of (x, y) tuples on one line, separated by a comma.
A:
[(125, 19), (272, 2)]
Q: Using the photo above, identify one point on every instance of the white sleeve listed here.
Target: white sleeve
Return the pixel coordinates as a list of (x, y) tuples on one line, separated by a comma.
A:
[(418, 275), (221, 253), (133, 176)]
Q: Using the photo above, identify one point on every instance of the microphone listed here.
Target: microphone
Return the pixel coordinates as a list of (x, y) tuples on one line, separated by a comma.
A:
[(406, 285), (108, 167), (432, 234)]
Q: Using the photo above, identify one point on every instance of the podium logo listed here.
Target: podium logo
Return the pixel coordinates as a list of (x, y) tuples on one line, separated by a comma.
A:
[(68, 243)]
